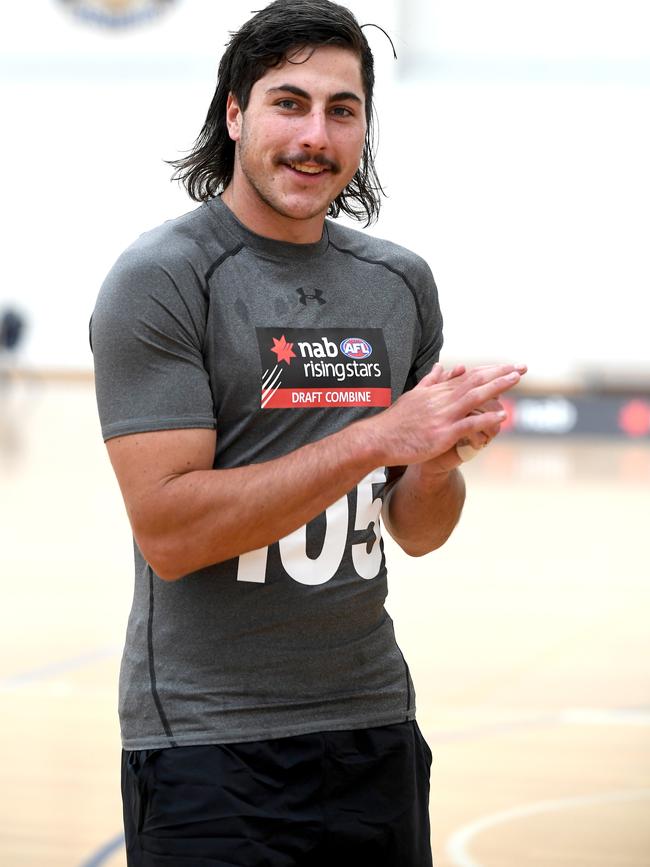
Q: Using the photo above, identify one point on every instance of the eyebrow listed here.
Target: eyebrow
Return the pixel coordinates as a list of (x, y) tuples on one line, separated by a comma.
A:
[(298, 91)]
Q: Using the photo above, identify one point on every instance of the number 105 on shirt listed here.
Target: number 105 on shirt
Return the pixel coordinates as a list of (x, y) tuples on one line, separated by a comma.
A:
[(366, 558)]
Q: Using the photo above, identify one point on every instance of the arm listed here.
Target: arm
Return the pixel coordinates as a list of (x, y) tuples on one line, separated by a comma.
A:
[(425, 500), (186, 515), (422, 508)]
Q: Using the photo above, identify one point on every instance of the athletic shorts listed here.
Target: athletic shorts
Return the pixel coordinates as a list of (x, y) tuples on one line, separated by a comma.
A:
[(330, 799)]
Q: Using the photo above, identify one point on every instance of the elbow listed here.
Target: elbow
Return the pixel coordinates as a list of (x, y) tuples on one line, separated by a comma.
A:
[(166, 572), (173, 555), (161, 556), (414, 551), (163, 567), (419, 548), (166, 545)]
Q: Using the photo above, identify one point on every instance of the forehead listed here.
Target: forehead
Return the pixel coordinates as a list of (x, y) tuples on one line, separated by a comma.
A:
[(320, 70)]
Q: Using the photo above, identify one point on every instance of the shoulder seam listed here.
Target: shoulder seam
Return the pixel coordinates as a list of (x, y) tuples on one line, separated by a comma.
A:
[(222, 259), (208, 276), (390, 268)]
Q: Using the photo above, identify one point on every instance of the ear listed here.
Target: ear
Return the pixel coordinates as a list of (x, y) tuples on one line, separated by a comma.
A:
[(233, 117)]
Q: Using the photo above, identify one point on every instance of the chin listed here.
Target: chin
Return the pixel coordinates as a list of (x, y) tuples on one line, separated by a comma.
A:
[(307, 211)]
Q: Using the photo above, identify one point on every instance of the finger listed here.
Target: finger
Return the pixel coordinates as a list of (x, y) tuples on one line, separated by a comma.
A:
[(435, 375), (478, 439), (472, 425), (520, 368), (489, 430), (455, 372), (495, 369), (493, 405), (466, 451), (483, 375), (480, 392)]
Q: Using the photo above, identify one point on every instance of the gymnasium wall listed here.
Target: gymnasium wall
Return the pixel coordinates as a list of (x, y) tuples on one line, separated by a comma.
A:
[(518, 168)]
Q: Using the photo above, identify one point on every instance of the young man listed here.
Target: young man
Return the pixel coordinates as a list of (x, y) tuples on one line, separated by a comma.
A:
[(258, 368)]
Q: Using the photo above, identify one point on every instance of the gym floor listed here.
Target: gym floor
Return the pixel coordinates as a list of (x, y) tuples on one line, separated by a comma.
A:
[(527, 636)]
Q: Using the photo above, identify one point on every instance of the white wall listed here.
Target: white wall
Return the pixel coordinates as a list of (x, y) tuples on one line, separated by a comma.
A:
[(527, 192)]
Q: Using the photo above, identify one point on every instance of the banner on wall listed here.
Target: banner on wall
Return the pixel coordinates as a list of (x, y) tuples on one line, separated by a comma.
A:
[(580, 415), (116, 13)]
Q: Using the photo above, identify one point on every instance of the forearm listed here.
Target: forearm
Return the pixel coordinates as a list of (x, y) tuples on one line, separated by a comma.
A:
[(186, 516), (422, 508), (204, 517)]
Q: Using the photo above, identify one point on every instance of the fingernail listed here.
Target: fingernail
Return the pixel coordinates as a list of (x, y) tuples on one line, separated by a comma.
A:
[(513, 377)]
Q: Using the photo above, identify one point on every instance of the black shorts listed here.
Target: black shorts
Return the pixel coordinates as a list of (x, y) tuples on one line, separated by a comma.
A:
[(334, 798)]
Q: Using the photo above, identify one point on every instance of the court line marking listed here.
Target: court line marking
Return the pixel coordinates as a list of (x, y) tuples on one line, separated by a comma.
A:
[(105, 852), (593, 716), (457, 845), (53, 669)]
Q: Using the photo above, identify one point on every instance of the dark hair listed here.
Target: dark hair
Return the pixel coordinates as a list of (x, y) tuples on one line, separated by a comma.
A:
[(265, 41)]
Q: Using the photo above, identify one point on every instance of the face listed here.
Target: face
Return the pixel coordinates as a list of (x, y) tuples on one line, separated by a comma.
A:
[(298, 144)]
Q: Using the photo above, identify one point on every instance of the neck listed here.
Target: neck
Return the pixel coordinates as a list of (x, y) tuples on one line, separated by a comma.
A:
[(264, 220)]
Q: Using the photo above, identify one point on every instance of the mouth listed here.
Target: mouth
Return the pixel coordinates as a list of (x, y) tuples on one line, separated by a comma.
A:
[(307, 168)]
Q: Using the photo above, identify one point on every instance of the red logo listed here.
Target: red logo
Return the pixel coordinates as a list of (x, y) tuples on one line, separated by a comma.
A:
[(634, 418), (283, 350)]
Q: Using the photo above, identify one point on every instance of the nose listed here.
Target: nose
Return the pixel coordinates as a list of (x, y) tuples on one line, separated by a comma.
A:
[(314, 134)]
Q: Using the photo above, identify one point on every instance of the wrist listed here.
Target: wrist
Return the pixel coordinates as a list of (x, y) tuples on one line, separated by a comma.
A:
[(365, 443), (431, 478)]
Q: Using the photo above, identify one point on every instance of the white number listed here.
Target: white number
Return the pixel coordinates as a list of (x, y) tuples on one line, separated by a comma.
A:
[(323, 568), (367, 564), (319, 570), (252, 566)]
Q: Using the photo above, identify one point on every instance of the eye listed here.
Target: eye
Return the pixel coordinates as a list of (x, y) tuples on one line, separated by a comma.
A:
[(342, 111), (288, 104)]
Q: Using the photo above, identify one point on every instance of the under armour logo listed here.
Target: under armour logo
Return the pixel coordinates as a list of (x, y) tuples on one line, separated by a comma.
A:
[(317, 295)]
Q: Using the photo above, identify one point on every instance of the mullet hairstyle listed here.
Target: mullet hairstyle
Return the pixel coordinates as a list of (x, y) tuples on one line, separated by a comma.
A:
[(268, 39)]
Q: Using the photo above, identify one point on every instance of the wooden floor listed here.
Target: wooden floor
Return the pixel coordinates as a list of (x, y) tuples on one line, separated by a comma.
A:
[(528, 636)]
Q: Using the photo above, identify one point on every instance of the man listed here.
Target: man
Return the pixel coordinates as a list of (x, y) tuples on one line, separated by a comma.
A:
[(257, 369)]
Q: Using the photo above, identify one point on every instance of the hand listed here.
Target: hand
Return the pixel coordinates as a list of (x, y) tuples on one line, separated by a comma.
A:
[(487, 433), (424, 425)]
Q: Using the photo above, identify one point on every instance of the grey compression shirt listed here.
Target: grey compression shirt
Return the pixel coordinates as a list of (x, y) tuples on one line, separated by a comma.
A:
[(203, 324)]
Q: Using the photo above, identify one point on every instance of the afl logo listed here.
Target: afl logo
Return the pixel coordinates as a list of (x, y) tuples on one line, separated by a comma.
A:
[(116, 13), (356, 347)]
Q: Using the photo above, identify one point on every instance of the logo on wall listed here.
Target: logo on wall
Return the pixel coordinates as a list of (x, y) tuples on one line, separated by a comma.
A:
[(634, 418), (117, 13)]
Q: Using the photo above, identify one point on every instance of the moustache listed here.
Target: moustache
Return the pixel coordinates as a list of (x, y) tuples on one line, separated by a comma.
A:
[(318, 159)]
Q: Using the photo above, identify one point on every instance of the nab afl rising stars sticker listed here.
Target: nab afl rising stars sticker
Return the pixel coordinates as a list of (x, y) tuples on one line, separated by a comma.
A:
[(117, 13), (324, 368)]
